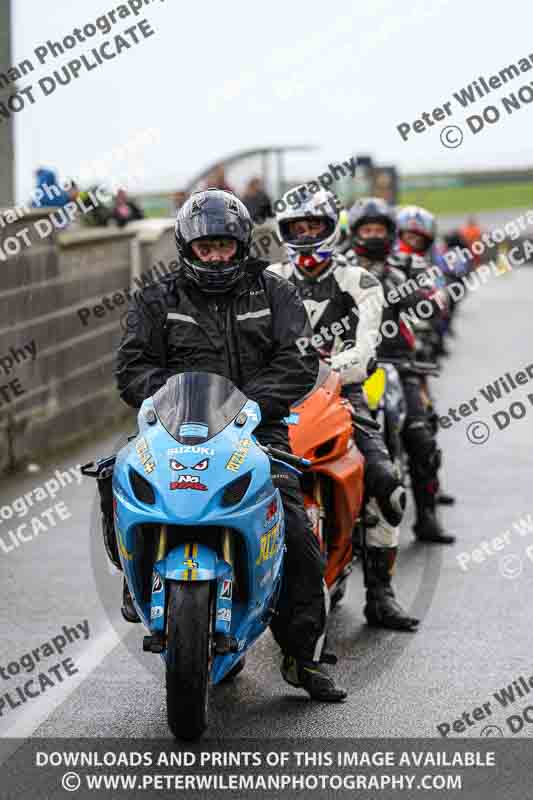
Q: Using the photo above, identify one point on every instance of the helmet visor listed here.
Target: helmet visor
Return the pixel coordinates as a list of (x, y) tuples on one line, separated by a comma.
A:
[(214, 250), (306, 231)]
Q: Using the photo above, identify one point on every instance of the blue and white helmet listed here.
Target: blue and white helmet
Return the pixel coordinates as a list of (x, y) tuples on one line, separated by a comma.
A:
[(309, 254), (417, 220)]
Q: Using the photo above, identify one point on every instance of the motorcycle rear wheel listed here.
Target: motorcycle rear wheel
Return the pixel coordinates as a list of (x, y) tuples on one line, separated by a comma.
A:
[(188, 658)]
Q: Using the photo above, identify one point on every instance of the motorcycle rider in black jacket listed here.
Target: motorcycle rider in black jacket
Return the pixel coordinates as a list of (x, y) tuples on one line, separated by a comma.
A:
[(347, 302), (373, 230), (221, 312)]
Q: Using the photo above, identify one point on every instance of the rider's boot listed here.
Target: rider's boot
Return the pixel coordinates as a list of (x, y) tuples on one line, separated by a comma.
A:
[(313, 677), (428, 527), (382, 610)]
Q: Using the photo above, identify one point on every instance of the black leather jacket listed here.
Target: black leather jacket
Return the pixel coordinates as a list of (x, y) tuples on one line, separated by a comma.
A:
[(247, 335)]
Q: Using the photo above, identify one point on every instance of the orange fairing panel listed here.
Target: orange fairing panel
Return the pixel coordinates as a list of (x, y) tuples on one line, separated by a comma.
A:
[(347, 475), (321, 421), (324, 434)]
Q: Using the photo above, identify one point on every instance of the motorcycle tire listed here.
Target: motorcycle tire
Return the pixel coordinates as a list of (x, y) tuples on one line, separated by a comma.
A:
[(188, 658)]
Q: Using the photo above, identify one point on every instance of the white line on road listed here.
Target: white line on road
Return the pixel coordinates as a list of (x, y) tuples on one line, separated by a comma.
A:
[(35, 713)]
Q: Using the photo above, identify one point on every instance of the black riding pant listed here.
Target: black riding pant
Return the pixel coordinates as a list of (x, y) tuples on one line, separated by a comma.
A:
[(419, 437)]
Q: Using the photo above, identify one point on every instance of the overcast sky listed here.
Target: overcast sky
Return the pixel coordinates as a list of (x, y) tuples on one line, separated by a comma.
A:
[(219, 77)]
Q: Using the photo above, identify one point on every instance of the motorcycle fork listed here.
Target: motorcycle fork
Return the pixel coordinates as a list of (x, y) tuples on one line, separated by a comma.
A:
[(228, 554), (162, 544)]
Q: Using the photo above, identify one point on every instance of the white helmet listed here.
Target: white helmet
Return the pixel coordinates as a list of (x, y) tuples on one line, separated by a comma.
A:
[(417, 220), (309, 254)]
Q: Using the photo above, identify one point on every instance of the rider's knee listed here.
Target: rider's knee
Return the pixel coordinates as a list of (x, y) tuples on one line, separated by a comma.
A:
[(383, 535), (390, 494)]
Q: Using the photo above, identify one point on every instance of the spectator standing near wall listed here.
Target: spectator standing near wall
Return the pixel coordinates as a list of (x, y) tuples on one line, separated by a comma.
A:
[(125, 209), (217, 180), (257, 201)]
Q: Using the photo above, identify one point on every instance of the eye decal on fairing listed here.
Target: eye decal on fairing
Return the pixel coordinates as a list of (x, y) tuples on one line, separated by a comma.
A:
[(202, 464), (174, 464)]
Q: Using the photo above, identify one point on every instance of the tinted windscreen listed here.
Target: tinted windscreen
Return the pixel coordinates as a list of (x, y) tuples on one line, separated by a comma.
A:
[(195, 406)]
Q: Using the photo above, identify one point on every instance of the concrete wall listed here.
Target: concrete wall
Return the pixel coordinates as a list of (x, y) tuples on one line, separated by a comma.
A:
[(67, 391)]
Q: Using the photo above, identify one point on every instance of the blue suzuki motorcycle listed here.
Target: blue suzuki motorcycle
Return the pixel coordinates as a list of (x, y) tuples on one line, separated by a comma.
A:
[(200, 532)]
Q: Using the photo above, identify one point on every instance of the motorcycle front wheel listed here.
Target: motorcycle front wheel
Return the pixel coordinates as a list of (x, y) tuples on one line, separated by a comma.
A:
[(188, 658)]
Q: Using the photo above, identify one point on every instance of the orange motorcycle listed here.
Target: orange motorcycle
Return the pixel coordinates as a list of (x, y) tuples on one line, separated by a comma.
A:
[(320, 430)]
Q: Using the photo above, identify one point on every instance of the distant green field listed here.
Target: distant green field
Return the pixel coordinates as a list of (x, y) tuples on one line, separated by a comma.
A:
[(445, 200), (471, 199)]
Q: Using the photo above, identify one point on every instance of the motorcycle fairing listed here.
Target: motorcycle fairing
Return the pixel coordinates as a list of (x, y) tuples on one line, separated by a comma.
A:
[(247, 518)]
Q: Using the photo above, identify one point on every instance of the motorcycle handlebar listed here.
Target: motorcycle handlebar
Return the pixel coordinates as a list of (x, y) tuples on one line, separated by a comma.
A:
[(365, 422), (102, 468), (418, 367), (290, 458)]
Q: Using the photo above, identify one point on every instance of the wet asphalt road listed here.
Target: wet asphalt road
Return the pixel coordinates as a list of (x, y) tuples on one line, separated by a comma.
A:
[(476, 634)]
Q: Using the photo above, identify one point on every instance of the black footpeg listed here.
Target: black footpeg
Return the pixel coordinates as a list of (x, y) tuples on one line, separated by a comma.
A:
[(154, 643), (225, 644), (328, 658)]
